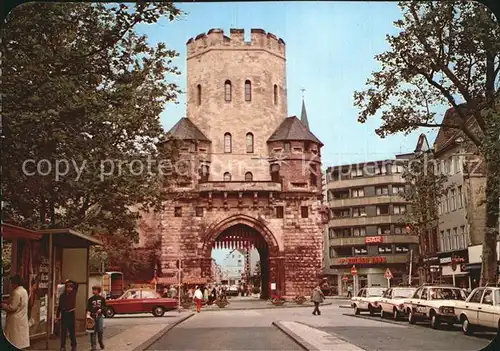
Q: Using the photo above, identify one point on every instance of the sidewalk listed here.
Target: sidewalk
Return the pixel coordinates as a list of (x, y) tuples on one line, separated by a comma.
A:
[(122, 334), (255, 305)]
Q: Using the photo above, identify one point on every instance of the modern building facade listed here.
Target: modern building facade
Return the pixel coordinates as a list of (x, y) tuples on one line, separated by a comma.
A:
[(367, 228), (253, 173)]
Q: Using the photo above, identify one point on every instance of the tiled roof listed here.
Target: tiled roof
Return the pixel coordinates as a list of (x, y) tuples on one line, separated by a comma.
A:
[(187, 130), (293, 129)]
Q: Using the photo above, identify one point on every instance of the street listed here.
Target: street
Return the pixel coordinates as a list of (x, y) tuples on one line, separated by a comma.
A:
[(336, 328)]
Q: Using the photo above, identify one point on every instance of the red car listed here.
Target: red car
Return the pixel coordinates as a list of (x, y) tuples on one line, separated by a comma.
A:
[(141, 300)]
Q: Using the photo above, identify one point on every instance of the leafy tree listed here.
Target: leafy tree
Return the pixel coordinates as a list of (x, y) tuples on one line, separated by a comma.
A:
[(446, 53), (83, 90)]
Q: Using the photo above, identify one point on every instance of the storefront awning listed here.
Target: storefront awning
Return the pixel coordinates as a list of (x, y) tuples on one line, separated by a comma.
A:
[(175, 280), (10, 232), (71, 238)]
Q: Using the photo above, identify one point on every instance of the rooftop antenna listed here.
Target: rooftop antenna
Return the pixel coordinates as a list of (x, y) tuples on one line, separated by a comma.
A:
[(303, 91)]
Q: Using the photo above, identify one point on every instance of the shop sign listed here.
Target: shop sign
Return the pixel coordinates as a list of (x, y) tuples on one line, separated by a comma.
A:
[(362, 260), (374, 239), (44, 274), (445, 260)]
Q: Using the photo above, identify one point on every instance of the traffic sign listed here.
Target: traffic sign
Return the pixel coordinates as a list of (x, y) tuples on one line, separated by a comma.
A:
[(354, 271), (346, 278), (388, 274)]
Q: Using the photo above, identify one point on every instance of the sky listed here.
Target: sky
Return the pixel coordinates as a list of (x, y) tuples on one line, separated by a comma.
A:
[(330, 49)]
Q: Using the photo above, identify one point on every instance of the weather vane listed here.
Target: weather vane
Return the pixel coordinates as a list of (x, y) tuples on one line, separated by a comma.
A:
[(303, 91)]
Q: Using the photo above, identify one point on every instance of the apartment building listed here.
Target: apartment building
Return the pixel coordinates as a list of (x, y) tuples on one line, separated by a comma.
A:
[(366, 227), (462, 211)]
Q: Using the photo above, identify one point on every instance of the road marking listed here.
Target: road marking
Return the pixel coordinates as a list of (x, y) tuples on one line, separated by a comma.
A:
[(314, 339)]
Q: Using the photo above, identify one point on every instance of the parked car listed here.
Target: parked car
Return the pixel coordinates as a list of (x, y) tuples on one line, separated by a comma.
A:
[(392, 302), (140, 300), (481, 310), (435, 304), (367, 300)]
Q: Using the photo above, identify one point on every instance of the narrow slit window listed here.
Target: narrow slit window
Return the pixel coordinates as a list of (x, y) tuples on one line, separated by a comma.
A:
[(198, 94), (227, 143), (275, 94), (248, 90), (249, 143), (227, 91)]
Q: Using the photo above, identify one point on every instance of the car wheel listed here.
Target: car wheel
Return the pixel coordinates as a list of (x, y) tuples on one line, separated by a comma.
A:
[(158, 311), (383, 314), (395, 314), (109, 313), (434, 320), (466, 326), (411, 317), (356, 310)]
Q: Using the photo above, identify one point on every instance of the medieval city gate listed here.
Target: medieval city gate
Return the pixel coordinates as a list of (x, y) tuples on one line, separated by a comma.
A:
[(246, 233)]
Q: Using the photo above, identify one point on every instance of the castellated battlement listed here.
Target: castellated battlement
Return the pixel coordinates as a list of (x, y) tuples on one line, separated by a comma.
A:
[(215, 39)]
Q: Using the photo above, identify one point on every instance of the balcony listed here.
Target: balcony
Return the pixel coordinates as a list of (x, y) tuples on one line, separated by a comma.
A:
[(365, 201), (385, 239), (365, 181), (364, 220), (235, 186), (378, 260)]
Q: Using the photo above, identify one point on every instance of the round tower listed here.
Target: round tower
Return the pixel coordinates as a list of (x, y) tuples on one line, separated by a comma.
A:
[(236, 95)]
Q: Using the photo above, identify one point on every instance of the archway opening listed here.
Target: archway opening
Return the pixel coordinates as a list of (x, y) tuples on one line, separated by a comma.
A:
[(240, 261)]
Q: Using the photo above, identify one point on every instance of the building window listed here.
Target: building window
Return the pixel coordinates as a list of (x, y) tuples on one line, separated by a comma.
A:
[(227, 143), (456, 241), (460, 197), (399, 209), (399, 230), (204, 172), (228, 91), (287, 147), (453, 201), (441, 241), (398, 189), (227, 177), (462, 237), (385, 249), (304, 211), (313, 178), (198, 94), (360, 231), (249, 143), (384, 230), (358, 192), (381, 169), (360, 251), (397, 168), (248, 177), (448, 240), (275, 173), (275, 94), (332, 252), (248, 90), (199, 211), (178, 211), (358, 212), (280, 212), (341, 213), (358, 172), (383, 190), (382, 210)]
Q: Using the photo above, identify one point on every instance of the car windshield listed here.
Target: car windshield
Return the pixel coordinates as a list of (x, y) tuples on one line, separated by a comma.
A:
[(446, 294), (402, 293), (374, 292)]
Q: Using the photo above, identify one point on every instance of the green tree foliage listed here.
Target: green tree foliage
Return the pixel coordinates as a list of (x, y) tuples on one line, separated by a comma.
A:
[(447, 53), (81, 87)]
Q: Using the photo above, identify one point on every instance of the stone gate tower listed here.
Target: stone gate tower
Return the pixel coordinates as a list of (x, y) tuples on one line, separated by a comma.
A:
[(254, 174)]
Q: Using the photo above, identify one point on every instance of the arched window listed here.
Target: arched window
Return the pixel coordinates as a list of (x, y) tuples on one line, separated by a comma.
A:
[(204, 172), (198, 94), (227, 143), (227, 177), (275, 94), (227, 91), (249, 143), (248, 90), (248, 176)]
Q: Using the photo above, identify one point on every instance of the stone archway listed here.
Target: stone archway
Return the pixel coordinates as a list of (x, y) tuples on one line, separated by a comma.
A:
[(240, 232)]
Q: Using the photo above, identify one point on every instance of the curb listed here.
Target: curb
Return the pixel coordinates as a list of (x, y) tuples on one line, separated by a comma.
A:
[(295, 337), (263, 307), (146, 344), (380, 319)]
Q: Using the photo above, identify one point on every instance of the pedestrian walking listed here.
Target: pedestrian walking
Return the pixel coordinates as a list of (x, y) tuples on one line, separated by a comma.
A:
[(349, 291), (317, 297), (66, 314), (96, 305), (173, 292), (198, 299), (16, 328)]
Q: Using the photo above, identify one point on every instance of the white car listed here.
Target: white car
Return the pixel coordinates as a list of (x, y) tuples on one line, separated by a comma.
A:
[(481, 310), (392, 302), (435, 304), (367, 300)]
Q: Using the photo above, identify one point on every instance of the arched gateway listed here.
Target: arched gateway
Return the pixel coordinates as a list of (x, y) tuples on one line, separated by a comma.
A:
[(244, 232)]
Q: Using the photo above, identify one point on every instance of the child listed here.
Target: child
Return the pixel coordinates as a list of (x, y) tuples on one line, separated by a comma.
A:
[(95, 308)]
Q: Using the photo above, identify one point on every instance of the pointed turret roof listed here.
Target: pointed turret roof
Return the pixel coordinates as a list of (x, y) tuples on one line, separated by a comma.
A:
[(303, 115), (293, 129), (185, 129)]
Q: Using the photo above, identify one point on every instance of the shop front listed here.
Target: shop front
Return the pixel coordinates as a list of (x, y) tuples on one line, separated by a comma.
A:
[(453, 269), (474, 266)]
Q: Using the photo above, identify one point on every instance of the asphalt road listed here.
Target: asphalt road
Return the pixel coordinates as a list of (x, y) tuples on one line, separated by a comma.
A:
[(253, 330)]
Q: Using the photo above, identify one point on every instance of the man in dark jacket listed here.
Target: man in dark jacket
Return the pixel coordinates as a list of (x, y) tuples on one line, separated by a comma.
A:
[(66, 313), (95, 307), (317, 297)]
